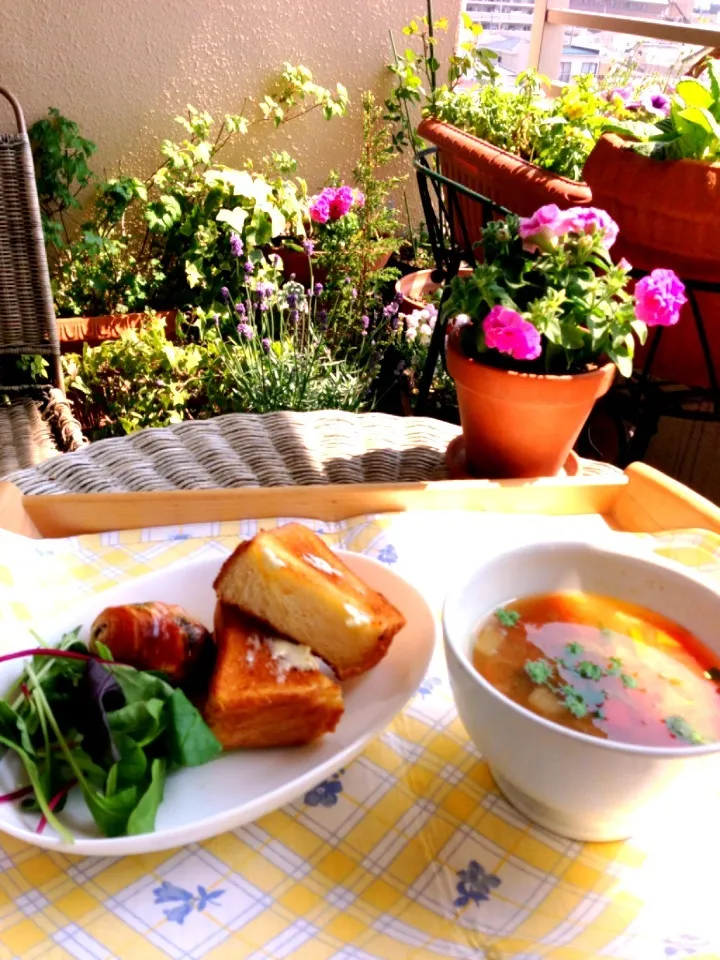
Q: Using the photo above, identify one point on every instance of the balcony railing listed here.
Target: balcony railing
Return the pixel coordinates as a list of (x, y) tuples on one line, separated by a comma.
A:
[(551, 19)]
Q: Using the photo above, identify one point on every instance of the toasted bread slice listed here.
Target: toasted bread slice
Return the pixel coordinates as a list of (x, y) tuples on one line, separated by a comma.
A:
[(266, 692), (288, 578)]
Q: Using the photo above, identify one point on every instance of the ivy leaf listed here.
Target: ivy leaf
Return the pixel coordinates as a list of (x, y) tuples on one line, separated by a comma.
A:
[(235, 218)]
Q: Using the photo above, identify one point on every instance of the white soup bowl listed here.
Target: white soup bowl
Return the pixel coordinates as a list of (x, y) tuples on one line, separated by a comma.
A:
[(576, 785)]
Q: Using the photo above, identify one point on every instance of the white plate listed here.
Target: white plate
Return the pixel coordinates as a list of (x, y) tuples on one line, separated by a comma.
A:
[(246, 784)]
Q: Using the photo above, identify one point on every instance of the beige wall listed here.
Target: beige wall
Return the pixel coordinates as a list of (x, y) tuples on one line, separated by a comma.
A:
[(124, 68)]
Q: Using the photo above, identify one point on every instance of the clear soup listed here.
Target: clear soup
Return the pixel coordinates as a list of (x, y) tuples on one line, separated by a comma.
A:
[(603, 667)]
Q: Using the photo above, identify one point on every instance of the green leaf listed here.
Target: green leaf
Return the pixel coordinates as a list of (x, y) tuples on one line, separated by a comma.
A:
[(142, 818), (694, 93), (574, 649), (235, 218), (111, 813), (539, 671), (627, 680), (508, 618), (191, 742), (140, 686)]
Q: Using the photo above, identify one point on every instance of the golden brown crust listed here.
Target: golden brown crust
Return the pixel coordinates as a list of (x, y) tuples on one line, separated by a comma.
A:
[(290, 579), (251, 703)]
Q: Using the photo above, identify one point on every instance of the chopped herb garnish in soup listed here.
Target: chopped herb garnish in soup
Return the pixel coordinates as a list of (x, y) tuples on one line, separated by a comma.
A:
[(603, 667)]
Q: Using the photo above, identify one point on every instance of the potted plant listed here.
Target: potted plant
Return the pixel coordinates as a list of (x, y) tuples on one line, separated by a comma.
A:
[(537, 332), (661, 182)]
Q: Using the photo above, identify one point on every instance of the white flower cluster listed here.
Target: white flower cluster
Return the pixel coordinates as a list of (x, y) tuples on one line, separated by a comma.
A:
[(420, 324)]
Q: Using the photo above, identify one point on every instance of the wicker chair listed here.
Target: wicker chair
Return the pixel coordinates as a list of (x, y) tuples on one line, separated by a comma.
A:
[(37, 422)]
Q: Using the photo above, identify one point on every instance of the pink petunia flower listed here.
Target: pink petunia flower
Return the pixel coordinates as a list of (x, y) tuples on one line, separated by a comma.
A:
[(659, 297), (541, 229), (320, 208), (592, 220), (506, 331), (341, 203)]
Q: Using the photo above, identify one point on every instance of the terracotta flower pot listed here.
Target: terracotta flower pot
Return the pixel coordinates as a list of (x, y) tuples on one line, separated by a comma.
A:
[(297, 262), (664, 208), (520, 424), (667, 212), (74, 331), (417, 288), (498, 175)]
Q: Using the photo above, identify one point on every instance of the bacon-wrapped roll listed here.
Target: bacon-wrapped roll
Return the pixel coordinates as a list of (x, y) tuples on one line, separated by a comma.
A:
[(155, 636)]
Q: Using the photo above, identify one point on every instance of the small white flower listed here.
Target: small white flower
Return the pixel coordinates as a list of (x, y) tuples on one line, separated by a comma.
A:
[(411, 322), (425, 333), (410, 334)]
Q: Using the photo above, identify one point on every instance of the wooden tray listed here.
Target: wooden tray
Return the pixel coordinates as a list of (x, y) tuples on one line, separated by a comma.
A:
[(641, 500)]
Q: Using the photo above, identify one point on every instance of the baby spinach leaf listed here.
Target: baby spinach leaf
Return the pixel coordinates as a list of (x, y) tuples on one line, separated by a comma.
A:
[(139, 686), (144, 722), (111, 813), (190, 740), (142, 818), (133, 764)]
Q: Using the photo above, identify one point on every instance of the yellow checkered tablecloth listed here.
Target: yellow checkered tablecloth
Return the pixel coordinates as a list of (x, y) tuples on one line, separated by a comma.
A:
[(408, 854)]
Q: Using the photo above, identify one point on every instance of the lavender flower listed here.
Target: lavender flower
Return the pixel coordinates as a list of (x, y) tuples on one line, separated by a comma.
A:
[(318, 289), (245, 331), (292, 300), (293, 318), (308, 246), (225, 293), (390, 310), (365, 322), (265, 343), (249, 268), (240, 308), (353, 293), (264, 289), (321, 319), (236, 245)]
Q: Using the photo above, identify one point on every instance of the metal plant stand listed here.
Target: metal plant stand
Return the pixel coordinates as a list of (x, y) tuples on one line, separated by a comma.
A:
[(634, 407)]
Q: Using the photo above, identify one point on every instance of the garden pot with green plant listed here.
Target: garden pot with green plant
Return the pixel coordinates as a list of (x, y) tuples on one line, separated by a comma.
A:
[(536, 333), (661, 183)]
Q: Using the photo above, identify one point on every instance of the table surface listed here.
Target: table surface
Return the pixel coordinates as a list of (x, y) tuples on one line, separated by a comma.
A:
[(410, 853)]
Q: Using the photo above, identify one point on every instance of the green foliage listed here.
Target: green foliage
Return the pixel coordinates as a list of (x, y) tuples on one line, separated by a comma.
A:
[(415, 71), (692, 129), (164, 241), (571, 292), (61, 169), (353, 247)]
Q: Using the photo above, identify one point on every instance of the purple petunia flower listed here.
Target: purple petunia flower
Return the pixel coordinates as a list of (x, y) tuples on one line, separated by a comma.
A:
[(656, 102), (659, 298), (245, 331), (320, 208), (236, 245)]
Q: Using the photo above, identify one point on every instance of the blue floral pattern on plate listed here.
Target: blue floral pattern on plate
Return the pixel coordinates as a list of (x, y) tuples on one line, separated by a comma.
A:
[(186, 901), (428, 685), (475, 884)]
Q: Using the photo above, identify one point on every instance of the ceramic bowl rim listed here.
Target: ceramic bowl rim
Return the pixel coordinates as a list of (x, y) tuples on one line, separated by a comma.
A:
[(454, 596)]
